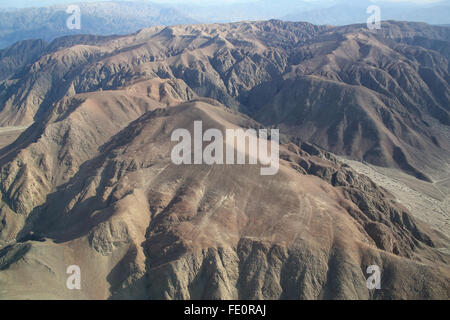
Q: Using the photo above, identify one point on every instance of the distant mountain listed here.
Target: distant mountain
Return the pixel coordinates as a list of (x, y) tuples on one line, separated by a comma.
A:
[(345, 13), (333, 12), (124, 17), (251, 10), (100, 18)]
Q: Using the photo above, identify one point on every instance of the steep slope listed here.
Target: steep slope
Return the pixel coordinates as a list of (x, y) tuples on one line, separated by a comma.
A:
[(214, 60), (49, 153), (141, 227), (388, 91), (367, 95), (91, 182), (22, 53)]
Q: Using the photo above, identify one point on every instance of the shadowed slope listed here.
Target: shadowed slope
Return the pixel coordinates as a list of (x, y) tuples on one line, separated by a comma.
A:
[(142, 227), (388, 91)]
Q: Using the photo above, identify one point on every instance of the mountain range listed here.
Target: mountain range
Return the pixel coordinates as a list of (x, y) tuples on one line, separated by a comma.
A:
[(88, 179), (100, 18), (381, 97), (123, 17)]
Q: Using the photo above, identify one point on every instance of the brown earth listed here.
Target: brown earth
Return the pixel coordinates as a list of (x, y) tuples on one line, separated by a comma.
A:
[(91, 181), (382, 97), (142, 227)]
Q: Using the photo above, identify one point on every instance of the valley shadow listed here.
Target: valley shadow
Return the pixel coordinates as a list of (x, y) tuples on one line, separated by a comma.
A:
[(61, 220)]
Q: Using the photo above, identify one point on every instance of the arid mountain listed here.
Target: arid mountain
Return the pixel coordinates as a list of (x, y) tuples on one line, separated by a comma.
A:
[(378, 96), (91, 183), (99, 18), (141, 227), (344, 12), (361, 95)]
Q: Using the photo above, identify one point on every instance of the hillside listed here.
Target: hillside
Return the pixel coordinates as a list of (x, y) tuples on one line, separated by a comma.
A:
[(378, 97), (89, 181)]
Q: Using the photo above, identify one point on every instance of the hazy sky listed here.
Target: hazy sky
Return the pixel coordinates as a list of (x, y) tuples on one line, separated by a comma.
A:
[(39, 3)]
